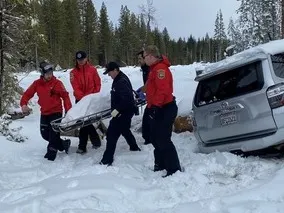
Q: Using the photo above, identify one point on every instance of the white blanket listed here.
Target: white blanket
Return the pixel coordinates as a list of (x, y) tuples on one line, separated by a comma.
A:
[(88, 105)]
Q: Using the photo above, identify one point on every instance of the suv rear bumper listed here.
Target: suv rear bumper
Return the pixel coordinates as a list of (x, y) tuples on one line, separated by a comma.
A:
[(245, 145)]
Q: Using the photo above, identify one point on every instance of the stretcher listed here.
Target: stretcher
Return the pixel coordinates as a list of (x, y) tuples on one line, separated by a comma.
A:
[(59, 125)]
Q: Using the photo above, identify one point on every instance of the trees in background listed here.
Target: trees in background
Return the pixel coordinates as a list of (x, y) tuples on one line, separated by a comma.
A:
[(258, 21), (58, 28), (53, 30)]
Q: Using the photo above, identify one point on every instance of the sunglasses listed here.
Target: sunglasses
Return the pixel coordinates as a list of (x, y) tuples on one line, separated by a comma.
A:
[(48, 68)]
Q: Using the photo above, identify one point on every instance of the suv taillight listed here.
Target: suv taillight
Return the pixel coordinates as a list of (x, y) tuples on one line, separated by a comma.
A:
[(275, 95)]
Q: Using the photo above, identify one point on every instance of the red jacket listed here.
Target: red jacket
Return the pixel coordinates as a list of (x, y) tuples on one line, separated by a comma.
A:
[(159, 86), (49, 94), (85, 80)]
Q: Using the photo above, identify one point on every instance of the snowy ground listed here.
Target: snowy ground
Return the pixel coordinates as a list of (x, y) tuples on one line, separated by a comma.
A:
[(213, 183)]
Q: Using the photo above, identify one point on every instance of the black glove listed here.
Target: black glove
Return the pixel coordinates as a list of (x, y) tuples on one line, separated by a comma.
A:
[(155, 112)]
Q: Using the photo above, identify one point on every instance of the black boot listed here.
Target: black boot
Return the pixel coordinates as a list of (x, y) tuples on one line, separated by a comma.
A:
[(106, 162), (147, 142), (158, 168), (95, 139), (96, 144), (169, 173), (135, 149), (66, 145), (51, 154)]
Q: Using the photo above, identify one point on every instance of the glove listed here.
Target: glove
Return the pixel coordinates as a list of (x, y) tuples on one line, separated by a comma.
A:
[(155, 112), (139, 90), (25, 109), (114, 113), (141, 95)]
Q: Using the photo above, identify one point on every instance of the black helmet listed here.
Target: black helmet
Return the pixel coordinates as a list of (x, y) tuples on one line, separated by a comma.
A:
[(45, 67)]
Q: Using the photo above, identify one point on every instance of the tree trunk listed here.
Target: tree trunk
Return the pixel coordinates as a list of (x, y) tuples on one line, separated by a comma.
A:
[(1, 56), (105, 56), (89, 50), (282, 19)]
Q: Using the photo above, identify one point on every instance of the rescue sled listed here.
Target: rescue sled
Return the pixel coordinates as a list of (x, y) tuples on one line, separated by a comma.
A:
[(59, 126)]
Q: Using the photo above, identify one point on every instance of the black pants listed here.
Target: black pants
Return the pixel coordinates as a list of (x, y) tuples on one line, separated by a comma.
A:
[(146, 126), (48, 134), (165, 153), (84, 134), (118, 126)]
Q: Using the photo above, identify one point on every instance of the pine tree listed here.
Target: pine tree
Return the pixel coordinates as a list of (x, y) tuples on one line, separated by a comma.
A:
[(13, 38), (72, 30), (270, 19), (166, 39), (36, 34), (105, 35), (124, 34), (219, 36), (207, 48), (134, 38), (159, 40), (191, 45), (52, 21), (235, 37), (142, 31), (90, 30), (259, 21)]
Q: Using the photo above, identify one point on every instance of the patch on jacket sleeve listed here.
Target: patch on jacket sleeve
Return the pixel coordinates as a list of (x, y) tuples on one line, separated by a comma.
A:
[(161, 74)]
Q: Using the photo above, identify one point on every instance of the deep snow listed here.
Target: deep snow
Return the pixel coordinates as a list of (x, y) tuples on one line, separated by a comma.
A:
[(212, 183)]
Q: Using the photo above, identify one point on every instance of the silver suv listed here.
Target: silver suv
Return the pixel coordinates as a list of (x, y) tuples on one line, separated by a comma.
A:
[(238, 103)]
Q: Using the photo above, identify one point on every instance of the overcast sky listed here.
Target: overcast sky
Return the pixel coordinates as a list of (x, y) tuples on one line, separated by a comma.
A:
[(181, 17)]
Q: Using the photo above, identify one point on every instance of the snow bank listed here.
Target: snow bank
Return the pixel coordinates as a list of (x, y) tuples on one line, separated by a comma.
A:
[(11, 134)]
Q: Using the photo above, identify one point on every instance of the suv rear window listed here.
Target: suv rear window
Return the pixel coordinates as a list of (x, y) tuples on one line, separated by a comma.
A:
[(278, 64), (236, 82)]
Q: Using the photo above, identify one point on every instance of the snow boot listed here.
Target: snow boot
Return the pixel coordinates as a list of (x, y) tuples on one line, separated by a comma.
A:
[(66, 145), (51, 154), (169, 173), (135, 149), (158, 168), (96, 144), (81, 151), (105, 162), (147, 142), (95, 140)]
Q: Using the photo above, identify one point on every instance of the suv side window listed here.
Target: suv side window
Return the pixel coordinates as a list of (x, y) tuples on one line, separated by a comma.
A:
[(236, 82), (278, 64)]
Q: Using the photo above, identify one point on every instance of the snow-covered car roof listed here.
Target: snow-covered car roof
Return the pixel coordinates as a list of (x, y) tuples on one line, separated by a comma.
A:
[(256, 53)]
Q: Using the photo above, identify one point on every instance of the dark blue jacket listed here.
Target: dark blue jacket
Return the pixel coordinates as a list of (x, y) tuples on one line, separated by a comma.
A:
[(145, 72), (122, 98)]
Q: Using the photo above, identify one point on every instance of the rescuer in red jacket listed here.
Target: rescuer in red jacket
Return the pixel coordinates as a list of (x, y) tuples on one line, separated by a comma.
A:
[(85, 80), (162, 110), (51, 92)]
